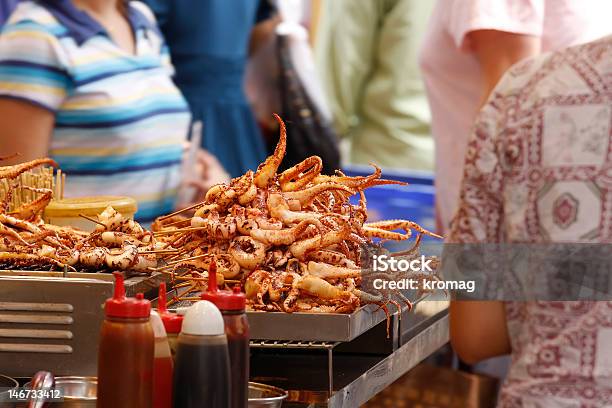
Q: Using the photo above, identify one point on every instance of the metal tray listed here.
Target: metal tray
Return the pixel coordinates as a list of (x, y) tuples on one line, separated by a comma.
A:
[(326, 327), (315, 327), (332, 327), (147, 284)]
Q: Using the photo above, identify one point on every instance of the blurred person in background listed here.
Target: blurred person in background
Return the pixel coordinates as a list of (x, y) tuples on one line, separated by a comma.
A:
[(209, 46), (469, 45), (87, 82), (539, 170), (367, 60), (6, 8)]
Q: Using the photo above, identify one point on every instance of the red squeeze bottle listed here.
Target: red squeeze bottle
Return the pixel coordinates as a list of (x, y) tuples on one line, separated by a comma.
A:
[(232, 305), (125, 357), (162, 365), (172, 321)]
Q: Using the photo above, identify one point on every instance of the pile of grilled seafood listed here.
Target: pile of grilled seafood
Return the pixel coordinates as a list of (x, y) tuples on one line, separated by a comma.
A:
[(26, 242), (292, 239)]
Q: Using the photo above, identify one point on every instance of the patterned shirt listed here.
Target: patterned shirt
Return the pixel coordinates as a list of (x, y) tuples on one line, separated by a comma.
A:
[(119, 120), (539, 169)]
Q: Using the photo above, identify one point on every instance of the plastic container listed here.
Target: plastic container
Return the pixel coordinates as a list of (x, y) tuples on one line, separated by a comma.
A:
[(163, 365), (232, 306), (66, 212), (414, 202), (125, 358), (201, 372), (412, 177), (172, 321)]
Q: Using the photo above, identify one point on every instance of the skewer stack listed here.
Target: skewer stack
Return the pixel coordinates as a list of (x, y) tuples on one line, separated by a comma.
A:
[(39, 178)]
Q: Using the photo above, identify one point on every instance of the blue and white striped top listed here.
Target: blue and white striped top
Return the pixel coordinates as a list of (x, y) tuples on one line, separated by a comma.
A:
[(120, 122)]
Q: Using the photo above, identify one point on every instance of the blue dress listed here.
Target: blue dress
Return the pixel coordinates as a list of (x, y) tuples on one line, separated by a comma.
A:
[(208, 42), (6, 8)]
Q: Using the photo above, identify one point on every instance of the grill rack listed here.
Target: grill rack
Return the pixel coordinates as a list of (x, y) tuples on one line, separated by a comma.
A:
[(301, 345)]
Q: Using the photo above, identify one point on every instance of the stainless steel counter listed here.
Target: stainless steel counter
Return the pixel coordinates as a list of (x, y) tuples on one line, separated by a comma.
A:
[(346, 375), (433, 336)]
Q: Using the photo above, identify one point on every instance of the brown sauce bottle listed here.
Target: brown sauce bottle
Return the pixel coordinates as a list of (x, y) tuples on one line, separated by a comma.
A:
[(125, 357), (201, 371)]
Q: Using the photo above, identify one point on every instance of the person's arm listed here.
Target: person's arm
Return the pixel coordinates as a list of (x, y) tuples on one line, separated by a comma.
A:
[(34, 82), (26, 130), (496, 51), (262, 32), (478, 328)]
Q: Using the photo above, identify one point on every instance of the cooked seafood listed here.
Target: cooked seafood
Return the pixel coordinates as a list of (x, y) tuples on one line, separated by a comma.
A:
[(118, 243), (292, 239)]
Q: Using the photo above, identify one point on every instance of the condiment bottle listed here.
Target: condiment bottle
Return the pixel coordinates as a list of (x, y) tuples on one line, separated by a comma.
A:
[(232, 305), (201, 372), (125, 357), (172, 321), (162, 365)]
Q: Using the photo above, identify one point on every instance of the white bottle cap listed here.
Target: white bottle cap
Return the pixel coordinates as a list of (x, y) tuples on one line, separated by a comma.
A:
[(159, 331), (203, 319)]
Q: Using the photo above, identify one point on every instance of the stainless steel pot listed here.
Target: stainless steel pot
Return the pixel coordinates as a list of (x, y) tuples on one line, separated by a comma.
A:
[(6, 385), (81, 392), (265, 396), (78, 392)]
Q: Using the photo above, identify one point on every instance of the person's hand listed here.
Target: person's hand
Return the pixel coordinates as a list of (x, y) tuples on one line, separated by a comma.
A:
[(211, 171), (197, 180)]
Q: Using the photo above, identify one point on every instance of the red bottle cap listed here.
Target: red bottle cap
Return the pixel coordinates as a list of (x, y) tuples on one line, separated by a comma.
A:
[(172, 321), (121, 306), (223, 299)]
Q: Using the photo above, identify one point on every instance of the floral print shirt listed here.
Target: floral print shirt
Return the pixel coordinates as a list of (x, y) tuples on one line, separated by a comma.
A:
[(538, 169)]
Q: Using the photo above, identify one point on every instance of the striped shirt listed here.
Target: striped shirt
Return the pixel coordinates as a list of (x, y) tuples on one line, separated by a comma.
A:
[(119, 120)]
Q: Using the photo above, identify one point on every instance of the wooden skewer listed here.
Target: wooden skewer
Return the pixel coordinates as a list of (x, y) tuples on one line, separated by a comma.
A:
[(179, 277), (189, 278), (190, 298), (191, 207), (91, 219), (232, 281), (63, 185), (188, 259), (173, 257), (159, 251), (180, 285), (178, 238), (59, 183), (162, 269), (170, 232), (172, 224), (55, 192)]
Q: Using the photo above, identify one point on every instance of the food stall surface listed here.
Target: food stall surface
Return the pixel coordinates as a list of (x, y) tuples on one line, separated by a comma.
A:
[(347, 375)]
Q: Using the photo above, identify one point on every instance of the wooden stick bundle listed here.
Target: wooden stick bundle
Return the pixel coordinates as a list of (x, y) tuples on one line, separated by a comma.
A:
[(42, 177)]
